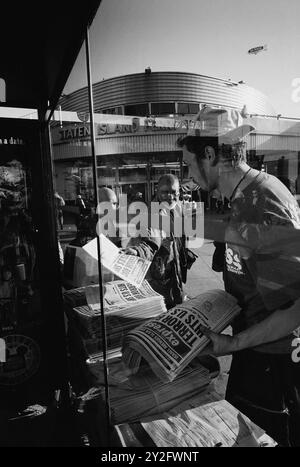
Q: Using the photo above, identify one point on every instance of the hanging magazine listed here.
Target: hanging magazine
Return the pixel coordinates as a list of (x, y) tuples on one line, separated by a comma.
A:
[(170, 341)]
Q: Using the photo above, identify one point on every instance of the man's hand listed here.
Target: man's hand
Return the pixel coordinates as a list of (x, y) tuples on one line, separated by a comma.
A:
[(220, 344), (129, 251)]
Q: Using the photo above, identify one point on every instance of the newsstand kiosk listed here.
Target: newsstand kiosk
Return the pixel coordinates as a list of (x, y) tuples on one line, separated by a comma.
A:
[(41, 46)]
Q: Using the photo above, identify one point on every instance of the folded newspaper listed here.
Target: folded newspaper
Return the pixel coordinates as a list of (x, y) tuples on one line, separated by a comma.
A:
[(170, 341), (130, 268)]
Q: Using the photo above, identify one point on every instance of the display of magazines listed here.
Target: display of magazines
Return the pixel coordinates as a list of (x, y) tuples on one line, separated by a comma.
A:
[(125, 305), (169, 342), (17, 250), (138, 397)]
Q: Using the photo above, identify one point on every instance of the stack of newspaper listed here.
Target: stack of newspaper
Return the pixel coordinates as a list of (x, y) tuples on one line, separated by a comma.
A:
[(210, 422), (136, 397), (125, 307), (169, 342)]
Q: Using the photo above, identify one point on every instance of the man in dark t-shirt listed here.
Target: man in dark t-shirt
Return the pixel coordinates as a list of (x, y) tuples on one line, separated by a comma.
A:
[(261, 269)]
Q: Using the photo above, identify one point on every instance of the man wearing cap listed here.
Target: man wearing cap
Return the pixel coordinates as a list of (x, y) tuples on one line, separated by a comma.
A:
[(261, 268)]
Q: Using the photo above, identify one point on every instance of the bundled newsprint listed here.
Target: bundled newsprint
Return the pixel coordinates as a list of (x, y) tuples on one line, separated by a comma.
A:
[(128, 267), (170, 341), (143, 395), (125, 307), (213, 423)]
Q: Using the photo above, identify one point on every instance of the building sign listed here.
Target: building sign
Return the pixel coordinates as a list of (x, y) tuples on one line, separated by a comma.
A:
[(75, 132), (127, 126), (83, 116), (146, 125)]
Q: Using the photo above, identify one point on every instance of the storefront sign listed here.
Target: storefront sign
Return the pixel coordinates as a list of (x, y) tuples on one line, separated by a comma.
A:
[(83, 116), (113, 129), (11, 140), (75, 132), (126, 127), (137, 125)]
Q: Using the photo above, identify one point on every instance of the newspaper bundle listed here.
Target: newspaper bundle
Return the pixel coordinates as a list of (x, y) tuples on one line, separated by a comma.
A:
[(125, 307), (138, 397), (169, 342), (128, 267), (213, 423)]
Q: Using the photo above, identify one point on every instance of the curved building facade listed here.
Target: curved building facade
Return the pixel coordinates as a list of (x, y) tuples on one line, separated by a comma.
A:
[(145, 90)]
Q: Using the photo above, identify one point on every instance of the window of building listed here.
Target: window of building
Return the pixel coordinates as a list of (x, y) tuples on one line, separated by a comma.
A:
[(162, 108), (113, 111), (140, 110), (187, 108)]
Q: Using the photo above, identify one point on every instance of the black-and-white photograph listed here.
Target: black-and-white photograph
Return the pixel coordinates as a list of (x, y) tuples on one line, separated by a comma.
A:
[(150, 226)]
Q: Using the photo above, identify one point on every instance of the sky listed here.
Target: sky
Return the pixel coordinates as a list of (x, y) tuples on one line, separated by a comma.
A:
[(208, 37)]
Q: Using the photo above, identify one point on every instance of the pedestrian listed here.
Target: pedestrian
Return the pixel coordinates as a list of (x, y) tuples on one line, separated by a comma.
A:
[(81, 211), (261, 268), (59, 202), (166, 250), (81, 205), (107, 215)]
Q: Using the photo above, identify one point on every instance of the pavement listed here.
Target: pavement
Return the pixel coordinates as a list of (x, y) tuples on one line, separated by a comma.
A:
[(201, 277)]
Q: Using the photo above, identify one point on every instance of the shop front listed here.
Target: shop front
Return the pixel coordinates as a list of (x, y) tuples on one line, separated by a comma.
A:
[(131, 156)]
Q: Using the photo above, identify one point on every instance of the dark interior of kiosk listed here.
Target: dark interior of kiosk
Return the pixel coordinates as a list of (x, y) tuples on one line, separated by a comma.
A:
[(40, 43)]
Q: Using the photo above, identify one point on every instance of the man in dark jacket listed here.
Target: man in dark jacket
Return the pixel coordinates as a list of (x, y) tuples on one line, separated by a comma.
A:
[(165, 249)]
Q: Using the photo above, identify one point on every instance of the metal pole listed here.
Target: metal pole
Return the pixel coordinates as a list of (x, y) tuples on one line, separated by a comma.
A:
[(96, 197)]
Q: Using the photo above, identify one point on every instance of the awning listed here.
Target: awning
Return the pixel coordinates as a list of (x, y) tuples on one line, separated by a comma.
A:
[(40, 42)]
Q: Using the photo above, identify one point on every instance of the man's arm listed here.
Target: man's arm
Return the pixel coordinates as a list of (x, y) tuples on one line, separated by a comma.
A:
[(279, 324)]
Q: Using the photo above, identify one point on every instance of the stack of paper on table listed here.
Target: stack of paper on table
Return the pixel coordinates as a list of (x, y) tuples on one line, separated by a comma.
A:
[(209, 422), (140, 396), (170, 341), (125, 307)]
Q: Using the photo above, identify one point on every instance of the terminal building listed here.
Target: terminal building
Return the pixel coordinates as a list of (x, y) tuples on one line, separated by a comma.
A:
[(138, 119)]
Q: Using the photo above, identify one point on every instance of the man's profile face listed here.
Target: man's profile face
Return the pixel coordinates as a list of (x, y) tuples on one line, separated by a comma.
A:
[(107, 201), (201, 169), (111, 198)]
